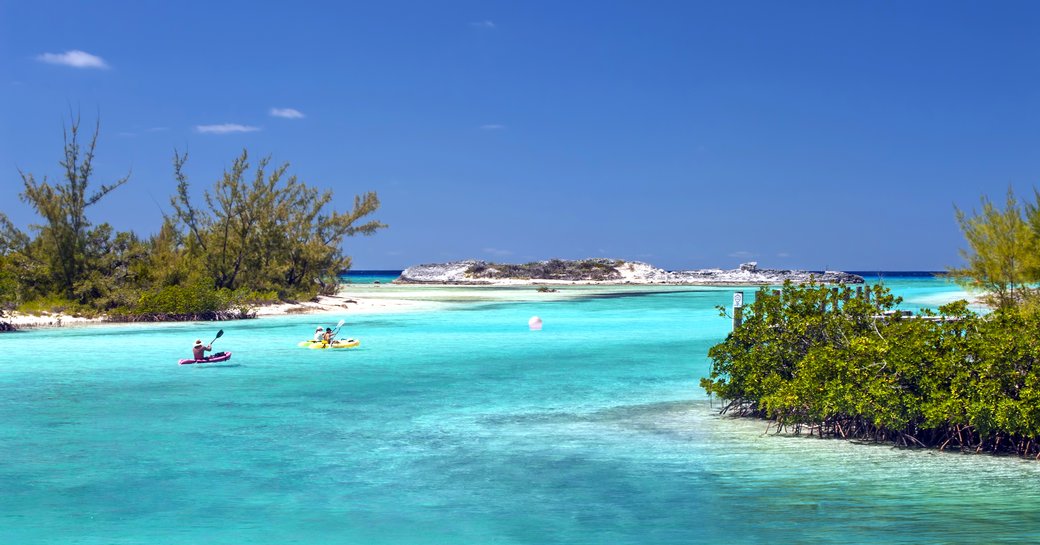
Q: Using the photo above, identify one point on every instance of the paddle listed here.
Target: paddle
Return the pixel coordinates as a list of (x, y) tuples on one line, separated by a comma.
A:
[(336, 331), (220, 333)]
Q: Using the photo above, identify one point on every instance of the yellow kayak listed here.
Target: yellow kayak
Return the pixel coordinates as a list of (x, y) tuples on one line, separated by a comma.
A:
[(348, 343)]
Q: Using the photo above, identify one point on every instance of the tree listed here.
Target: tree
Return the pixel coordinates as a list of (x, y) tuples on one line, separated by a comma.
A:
[(165, 262), (1002, 257), (111, 278), (12, 241), (65, 235), (273, 232)]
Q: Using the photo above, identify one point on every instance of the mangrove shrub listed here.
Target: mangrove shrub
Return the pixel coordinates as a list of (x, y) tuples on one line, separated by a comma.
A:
[(837, 363)]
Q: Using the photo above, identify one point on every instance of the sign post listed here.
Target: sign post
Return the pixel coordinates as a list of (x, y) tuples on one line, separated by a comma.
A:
[(738, 309)]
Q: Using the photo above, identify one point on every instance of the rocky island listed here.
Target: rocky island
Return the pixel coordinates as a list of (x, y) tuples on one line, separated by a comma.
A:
[(608, 271)]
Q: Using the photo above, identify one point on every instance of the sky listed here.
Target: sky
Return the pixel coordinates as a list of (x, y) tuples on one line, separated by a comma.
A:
[(686, 134)]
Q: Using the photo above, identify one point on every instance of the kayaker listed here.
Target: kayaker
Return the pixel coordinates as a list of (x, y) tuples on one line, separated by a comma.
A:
[(199, 350), (327, 337), (319, 334)]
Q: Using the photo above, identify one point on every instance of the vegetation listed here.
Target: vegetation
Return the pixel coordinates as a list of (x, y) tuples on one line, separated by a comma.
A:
[(553, 269), (1003, 258), (271, 233), (849, 365), (258, 236), (836, 365), (68, 257), (10, 240)]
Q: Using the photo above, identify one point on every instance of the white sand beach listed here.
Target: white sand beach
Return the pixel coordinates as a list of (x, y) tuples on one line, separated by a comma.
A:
[(344, 301), (340, 303), (377, 299), (28, 321)]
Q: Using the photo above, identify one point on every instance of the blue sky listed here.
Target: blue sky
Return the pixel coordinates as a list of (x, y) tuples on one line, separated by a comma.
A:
[(686, 134)]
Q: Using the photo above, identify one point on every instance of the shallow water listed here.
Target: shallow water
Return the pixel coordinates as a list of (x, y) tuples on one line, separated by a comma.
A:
[(455, 426)]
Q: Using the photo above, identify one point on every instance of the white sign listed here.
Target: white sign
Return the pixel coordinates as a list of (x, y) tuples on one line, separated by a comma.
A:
[(738, 299)]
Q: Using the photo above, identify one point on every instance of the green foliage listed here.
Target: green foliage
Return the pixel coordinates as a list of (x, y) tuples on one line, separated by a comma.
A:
[(109, 280), (840, 365), (11, 238), (65, 236), (1003, 257), (196, 300), (273, 232), (193, 299), (553, 269), (11, 241), (54, 304), (256, 239)]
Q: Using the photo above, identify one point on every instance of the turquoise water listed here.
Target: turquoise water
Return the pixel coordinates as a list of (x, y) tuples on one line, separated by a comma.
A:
[(455, 426), (369, 277)]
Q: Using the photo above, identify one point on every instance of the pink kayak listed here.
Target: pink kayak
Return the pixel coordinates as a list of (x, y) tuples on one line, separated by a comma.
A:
[(215, 358)]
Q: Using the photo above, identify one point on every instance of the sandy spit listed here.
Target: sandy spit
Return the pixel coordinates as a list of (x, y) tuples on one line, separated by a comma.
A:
[(322, 305)]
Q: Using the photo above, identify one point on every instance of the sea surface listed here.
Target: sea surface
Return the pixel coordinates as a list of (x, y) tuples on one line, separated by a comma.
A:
[(457, 424)]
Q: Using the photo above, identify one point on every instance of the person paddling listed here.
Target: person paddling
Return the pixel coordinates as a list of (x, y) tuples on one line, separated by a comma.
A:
[(199, 350), (319, 334), (328, 336)]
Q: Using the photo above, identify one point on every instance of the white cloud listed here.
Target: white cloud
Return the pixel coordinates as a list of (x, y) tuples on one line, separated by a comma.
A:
[(497, 252), (225, 128), (288, 113), (74, 58), (742, 254), (485, 24), (783, 254), (492, 127)]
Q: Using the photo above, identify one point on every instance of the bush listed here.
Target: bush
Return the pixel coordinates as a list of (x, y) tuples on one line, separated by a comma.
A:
[(839, 365), (54, 304), (187, 299)]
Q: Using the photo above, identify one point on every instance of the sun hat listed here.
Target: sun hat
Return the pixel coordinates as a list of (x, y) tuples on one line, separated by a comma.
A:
[(198, 341), (318, 328)]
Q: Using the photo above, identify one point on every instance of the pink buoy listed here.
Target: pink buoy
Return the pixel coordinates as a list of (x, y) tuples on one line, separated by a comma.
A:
[(535, 323)]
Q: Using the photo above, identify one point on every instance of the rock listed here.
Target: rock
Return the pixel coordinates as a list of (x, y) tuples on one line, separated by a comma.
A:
[(609, 271), (453, 272)]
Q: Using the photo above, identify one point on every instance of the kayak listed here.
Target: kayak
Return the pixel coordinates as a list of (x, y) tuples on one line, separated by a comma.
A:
[(215, 358), (348, 343)]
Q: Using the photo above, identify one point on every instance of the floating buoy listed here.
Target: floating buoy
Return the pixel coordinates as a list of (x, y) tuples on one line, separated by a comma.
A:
[(535, 323)]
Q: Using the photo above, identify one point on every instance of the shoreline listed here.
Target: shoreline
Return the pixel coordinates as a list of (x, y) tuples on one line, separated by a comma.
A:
[(348, 300), (398, 298), (325, 304)]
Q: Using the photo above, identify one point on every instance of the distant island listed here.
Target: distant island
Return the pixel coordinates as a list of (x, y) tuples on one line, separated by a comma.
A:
[(607, 271)]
